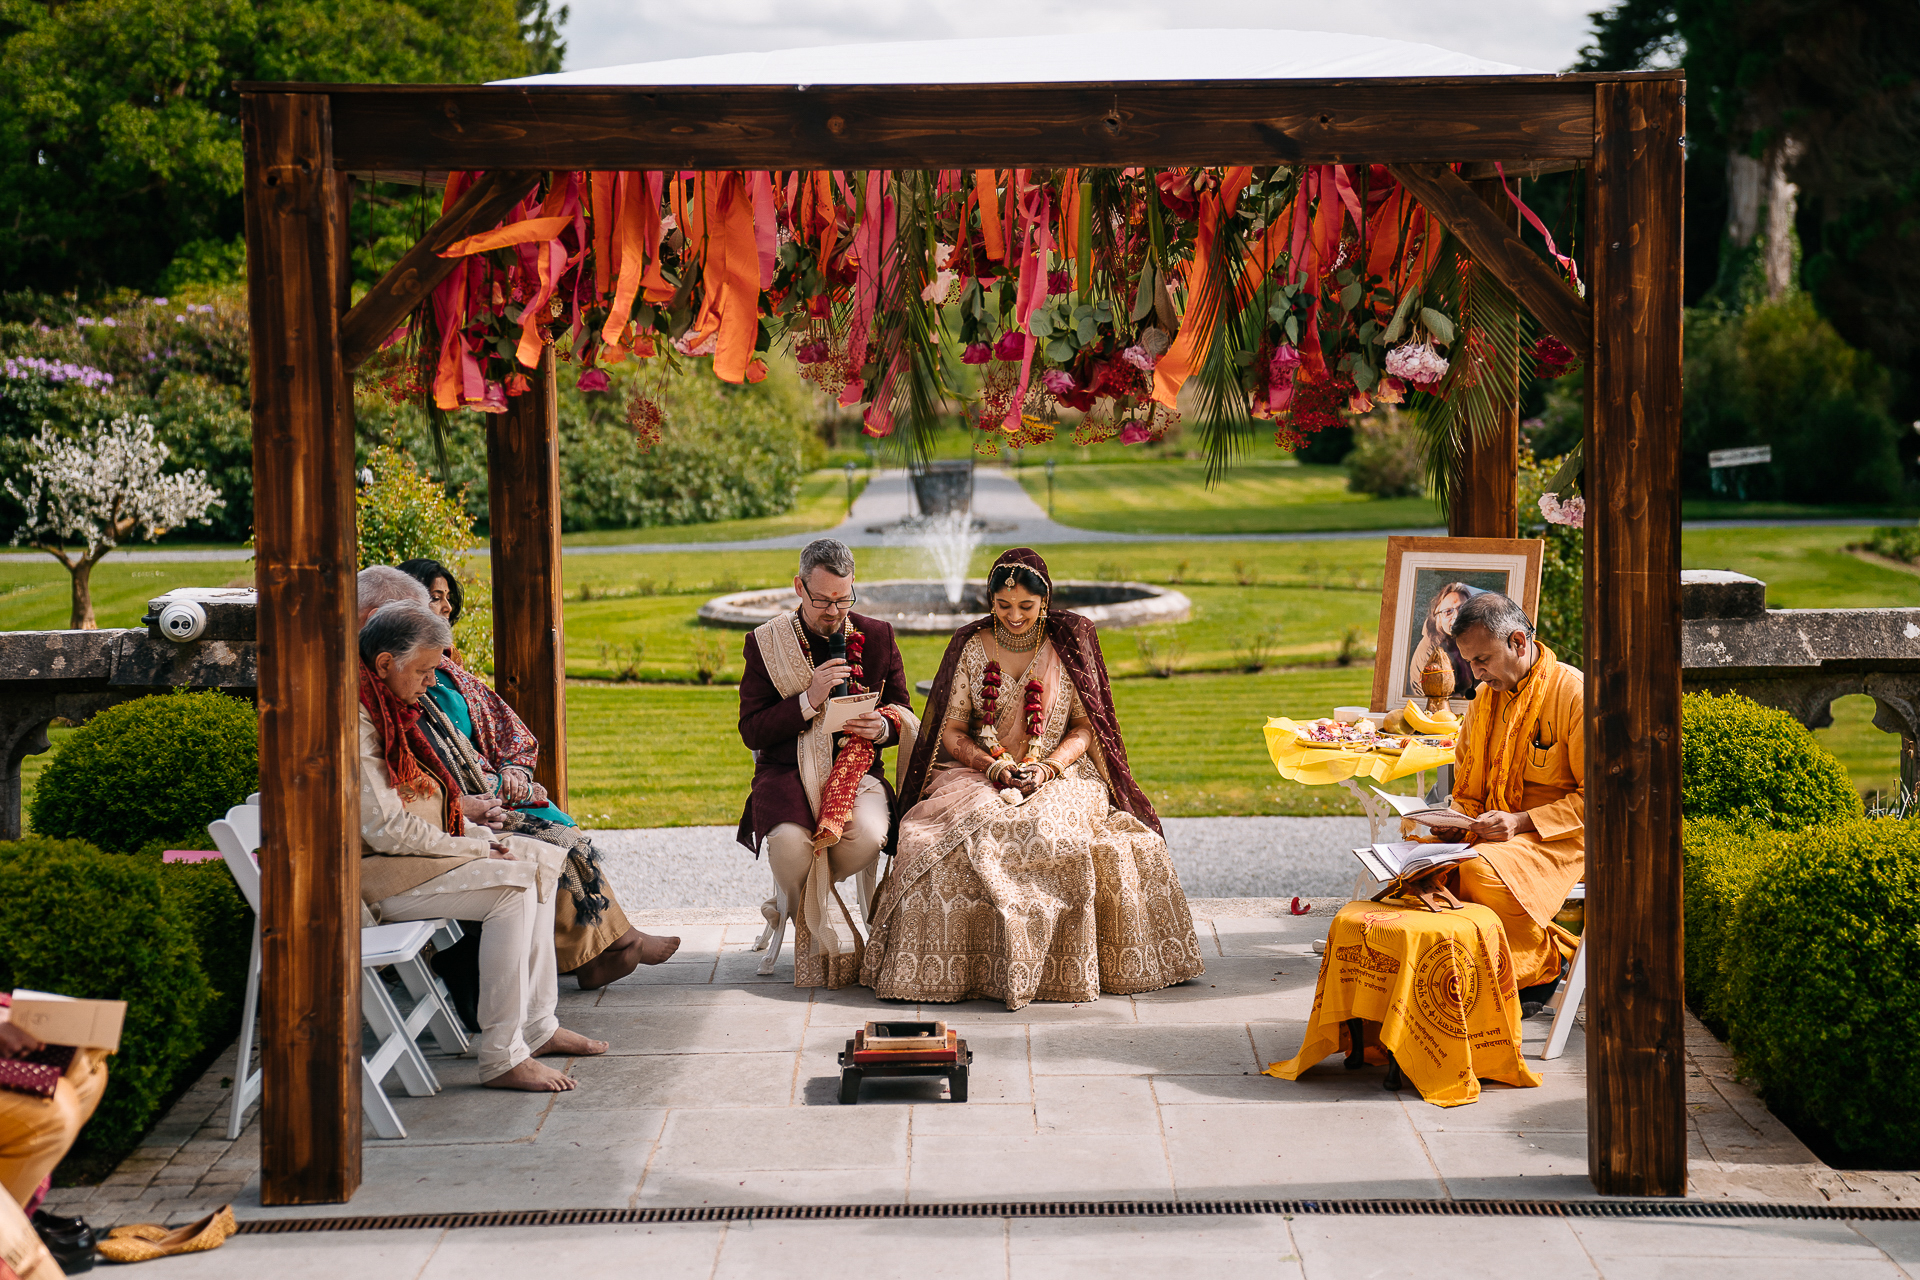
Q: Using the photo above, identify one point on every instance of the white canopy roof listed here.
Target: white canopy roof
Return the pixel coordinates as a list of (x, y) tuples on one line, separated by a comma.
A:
[(1096, 58)]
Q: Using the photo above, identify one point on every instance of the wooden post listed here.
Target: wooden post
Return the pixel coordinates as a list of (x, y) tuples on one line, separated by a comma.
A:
[(304, 556), (529, 645), (1486, 493), (1636, 1080)]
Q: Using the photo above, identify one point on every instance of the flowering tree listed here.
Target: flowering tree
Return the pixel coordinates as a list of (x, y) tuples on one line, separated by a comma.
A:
[(100, 490)]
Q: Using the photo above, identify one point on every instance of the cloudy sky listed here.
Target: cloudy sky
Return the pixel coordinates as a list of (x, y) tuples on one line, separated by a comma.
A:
[(1541, 34)]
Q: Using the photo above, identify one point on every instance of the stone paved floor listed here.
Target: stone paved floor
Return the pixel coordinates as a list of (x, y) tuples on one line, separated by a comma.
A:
[(721, 1089)]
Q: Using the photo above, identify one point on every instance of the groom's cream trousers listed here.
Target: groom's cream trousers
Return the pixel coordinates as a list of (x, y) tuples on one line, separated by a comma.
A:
[(790, 845)]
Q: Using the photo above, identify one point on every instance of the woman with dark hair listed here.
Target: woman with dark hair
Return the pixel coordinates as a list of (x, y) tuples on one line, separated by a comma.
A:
[(1437, 633), (493, 753), (1029, 866)]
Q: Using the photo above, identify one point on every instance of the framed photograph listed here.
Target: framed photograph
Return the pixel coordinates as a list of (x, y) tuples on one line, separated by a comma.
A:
[(1426, 580)]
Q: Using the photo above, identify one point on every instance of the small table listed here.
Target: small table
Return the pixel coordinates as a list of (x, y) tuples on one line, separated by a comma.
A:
[(1440, 985), (1327, 766), (851, 1074)]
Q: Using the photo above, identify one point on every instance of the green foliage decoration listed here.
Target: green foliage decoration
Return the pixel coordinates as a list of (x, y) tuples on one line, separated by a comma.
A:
[(1722, 861), (404, 515), (1561, 616), (159, 766), (1757, 767), (83, 923), (1821, 1004)]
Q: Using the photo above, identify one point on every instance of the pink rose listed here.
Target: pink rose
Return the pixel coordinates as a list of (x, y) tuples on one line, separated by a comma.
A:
[(1284, 361), (976, 353), (594, 380), (1134, 433), (1012, 345), (1059, 382), (1059, 282), (811, 352), (493, 399), (1139, 358)]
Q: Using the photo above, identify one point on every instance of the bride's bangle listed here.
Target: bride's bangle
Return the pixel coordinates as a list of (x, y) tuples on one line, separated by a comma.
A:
[(1055, 768), (997, 768)]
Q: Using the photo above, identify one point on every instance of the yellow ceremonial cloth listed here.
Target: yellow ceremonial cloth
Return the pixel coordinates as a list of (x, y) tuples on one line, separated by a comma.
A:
[(1439, 983), (1318, 766), (1541, 866)]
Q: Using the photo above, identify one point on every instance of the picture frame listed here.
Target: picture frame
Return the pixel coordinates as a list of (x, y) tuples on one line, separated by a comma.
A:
[(1418, 571)]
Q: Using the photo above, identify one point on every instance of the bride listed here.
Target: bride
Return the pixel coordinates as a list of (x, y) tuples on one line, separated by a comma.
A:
[(1030, 867)]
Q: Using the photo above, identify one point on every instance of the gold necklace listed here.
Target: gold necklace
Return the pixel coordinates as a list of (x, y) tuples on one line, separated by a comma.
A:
[(1016, 644)]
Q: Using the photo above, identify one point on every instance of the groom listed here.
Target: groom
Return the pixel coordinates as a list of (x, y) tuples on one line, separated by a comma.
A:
[(798, 801)]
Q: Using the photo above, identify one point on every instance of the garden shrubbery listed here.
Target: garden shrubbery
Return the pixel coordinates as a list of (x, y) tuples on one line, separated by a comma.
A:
[(95, 925), (1803, 931), (1822, 1005), (1388, 459), (156, 768), (1757, 767)]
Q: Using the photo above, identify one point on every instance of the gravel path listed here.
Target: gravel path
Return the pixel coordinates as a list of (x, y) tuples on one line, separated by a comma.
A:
[(660, 867)]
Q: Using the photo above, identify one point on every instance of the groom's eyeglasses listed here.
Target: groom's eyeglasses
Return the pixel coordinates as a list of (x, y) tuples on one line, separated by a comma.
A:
[(833, 606)]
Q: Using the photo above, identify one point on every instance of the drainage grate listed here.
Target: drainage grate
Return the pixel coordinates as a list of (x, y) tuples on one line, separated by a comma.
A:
[(1087, 1209)]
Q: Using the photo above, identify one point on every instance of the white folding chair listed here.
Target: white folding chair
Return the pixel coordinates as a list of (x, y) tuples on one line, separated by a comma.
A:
[(1566, 1001), (237, 836)]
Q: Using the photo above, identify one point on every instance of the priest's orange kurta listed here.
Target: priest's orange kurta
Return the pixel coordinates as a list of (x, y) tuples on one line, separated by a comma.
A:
[(1532, 873)]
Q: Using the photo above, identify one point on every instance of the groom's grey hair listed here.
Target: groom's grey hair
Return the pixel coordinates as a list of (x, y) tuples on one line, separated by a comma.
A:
[(830, 554)]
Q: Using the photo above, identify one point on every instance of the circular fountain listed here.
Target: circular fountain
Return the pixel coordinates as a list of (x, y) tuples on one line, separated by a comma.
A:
[(928, 607)]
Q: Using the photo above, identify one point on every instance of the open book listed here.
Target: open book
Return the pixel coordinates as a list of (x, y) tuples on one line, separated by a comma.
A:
[(1427, 815), (1409, 858)]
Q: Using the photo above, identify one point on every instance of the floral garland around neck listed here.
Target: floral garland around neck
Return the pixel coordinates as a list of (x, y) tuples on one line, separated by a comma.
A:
[(988, 733)]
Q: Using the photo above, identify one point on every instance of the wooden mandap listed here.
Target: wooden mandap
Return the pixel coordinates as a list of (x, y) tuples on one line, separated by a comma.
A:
[(302, 140)]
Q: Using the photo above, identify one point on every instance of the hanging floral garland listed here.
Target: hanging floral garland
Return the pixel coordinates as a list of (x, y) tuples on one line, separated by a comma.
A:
[(1291, 294)]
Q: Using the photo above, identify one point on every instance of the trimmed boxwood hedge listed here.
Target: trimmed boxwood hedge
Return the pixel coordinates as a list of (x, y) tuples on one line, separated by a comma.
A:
[(1722, 861), (1757, 767), (80, 922), (158, 768), (1822, 1005)]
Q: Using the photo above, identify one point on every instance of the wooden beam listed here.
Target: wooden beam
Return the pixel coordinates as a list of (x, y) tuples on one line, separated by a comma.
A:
[(304, 557), (1636, 1077), (1498, 247), (421, 268), (1486, 493), (960, 126), (529, 644)]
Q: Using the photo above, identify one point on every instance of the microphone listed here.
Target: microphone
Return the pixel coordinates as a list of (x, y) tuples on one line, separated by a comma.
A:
[(837, 652)]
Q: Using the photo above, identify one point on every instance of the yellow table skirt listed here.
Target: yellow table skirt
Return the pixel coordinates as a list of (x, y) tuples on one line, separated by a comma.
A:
[(1440, 984), (1319, 766)]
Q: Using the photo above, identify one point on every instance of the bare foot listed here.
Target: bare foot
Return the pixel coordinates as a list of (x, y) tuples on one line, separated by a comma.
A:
[(613, 964), (657, 950), (570, 1044), (533, 1077)]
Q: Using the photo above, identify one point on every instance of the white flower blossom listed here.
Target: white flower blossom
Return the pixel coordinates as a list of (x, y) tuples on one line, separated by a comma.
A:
[(1418, 363)]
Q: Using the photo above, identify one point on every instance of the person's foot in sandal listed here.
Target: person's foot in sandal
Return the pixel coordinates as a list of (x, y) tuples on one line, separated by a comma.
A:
[(532, 1077)]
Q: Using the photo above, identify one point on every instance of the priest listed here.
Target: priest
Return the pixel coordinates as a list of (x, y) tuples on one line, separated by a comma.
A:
[(820, 800), (1520, 774)]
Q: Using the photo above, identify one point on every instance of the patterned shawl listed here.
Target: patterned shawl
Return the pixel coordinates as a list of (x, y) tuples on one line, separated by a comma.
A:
[(579, 874), (1077, 645), (508, 747), (410, 758)]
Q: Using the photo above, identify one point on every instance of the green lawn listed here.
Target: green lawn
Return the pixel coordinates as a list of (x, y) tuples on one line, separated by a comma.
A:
[(663, 750), (1253, 497)]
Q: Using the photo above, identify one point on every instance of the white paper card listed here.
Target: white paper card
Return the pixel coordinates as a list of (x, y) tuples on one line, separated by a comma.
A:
[(840, 710)]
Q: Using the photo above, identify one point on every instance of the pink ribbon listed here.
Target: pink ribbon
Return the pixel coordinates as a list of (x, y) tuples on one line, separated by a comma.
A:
[(1573, 272)]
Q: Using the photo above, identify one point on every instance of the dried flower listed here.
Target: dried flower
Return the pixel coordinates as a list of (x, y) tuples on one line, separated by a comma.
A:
[(812, 352), (1154, 341), (1139, 357), (646, 418), (690, 344), (1419, 364), (593, 380), (1552, 358), (1572, 513), (517, 384)]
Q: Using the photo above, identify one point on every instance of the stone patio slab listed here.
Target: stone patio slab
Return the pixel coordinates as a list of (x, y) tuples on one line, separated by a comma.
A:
[(1534, 1165), (683, 1249), (787, 1138), (1439, 1248), (1045, 1166), (1095, 1104), (768, 1026), (951, 1250), (1082, 1050), (682, 1080), (1328, 1150)]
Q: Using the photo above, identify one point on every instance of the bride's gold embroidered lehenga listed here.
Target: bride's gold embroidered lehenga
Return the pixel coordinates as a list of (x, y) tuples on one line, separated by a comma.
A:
[(1061, 897)]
